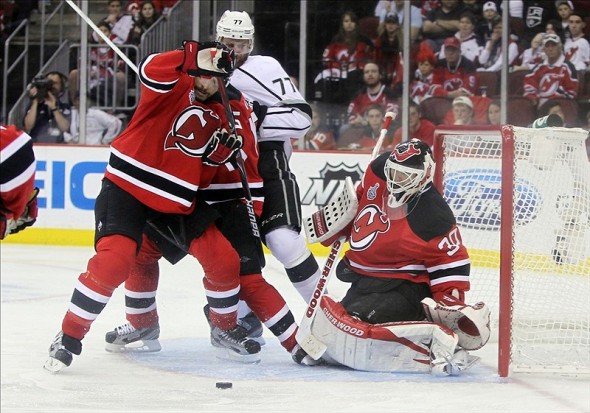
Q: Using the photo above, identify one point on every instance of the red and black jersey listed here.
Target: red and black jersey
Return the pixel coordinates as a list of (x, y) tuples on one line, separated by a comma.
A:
[(363, 100), (227, 184), (158, 158), (546, 81), (424, 246), (321, 140), (447, 78), (17, 180), (337, 54)]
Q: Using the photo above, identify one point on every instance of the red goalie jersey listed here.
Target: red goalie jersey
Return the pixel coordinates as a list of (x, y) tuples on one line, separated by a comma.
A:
[(423, 246)]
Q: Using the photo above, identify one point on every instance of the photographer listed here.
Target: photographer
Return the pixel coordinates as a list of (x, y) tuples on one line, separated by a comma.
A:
[(47, 117)]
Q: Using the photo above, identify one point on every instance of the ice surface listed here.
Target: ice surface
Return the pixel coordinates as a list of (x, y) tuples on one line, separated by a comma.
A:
[(37, 283)]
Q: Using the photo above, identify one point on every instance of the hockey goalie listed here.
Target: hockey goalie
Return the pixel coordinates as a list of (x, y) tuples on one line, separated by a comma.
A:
[(408, 271)]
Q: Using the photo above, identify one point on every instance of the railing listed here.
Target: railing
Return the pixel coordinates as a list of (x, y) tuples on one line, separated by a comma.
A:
[(23, 56), (58, 62), (168, 31), (45, 22)]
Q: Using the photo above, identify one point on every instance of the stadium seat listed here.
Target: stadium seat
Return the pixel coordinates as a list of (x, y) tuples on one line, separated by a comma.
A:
[(569, 107), (368, 26), (515, 82), (489, 81), (521, 111)]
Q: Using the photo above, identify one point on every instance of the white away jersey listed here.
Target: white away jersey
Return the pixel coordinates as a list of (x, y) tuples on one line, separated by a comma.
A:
[(262, 78)]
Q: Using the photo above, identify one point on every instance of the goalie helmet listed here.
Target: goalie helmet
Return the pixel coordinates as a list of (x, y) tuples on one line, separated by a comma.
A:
[(236, 25), (408, 170)]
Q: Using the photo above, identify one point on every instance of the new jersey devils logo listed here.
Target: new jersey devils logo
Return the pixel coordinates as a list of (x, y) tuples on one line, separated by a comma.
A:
[(405, 152), (190, 131), (367, 225)]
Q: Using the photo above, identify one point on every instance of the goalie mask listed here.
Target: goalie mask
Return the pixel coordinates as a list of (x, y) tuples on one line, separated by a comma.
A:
[(237, 26), (408, 170)]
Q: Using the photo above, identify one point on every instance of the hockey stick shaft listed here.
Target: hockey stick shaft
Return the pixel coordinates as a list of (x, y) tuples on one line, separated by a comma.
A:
[(108, 41), (239, 165), (314, 347)]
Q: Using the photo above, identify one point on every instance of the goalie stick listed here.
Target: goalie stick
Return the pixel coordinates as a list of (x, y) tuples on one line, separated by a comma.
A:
[(308, 342), (238, 163)]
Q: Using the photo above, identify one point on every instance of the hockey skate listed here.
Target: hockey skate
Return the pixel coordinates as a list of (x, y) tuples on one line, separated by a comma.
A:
[(61, 352), (127, 338), (299, 356), (445, 365), (234, 344), (250, 322)]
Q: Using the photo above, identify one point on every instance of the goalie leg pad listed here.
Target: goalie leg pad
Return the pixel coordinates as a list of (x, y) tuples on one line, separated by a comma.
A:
[(470, 323), (327, 222), (391, 347)]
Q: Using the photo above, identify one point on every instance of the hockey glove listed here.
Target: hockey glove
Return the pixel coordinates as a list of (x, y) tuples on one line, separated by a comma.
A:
[(4, 227), (207, 59), (29, 217), (222, 147)]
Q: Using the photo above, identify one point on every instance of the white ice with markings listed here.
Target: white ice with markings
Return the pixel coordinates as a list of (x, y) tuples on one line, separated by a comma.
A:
[(37, 282)]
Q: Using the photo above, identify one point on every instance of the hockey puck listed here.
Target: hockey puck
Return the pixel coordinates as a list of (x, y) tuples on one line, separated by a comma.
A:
[(224, 384)]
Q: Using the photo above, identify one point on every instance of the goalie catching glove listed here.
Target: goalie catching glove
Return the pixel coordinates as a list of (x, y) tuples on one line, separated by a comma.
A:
[(207, 59), (222, 147), (471, 323)]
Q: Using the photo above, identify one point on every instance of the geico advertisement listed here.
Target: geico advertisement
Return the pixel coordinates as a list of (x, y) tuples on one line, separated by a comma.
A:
[(69, 179)]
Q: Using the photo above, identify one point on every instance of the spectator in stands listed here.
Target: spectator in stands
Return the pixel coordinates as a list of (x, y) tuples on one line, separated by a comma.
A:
[(442, 23), (120, 24), (47, 117), (319, 137), (494, 112), (463, 111), (475, 7), (486, 25), (421, 85), (533, 55), (374, 91), (388, 47), (554, 27), (419, 128), (101, 127), (491, 58), (416, 19), (163, 7), (104, 73), (384, 8), (556, 77), (346, 54), (577, 48), (145, 19), (470, 47), (555, 108), (454, 75), (365, 138), (564, 9), (536, 14)]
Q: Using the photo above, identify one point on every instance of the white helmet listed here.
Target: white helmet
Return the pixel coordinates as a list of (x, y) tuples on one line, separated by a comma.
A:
[(236, 25), (408, 170)]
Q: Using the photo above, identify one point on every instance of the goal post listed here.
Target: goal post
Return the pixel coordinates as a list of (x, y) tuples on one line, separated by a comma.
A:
[(521, 197)]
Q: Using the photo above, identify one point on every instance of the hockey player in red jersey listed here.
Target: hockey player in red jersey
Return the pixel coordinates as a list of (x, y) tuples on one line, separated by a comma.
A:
[(406, 263), (156, 167), (18, 195), (224, 196)]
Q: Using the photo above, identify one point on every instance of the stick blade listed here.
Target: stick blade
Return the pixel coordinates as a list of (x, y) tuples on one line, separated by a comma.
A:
[(312, 346)]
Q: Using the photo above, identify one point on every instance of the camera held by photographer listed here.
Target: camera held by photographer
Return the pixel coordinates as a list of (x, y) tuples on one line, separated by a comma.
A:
[(47, 117)]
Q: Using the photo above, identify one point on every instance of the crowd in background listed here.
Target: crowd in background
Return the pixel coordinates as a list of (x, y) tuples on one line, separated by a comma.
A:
[(455, 55)]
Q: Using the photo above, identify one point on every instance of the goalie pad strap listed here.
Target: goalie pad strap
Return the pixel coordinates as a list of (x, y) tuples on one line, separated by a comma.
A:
[(389, 347), (334, 217)]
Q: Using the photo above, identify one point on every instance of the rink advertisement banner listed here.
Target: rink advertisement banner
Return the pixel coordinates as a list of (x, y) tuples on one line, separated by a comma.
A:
[(69, 179)]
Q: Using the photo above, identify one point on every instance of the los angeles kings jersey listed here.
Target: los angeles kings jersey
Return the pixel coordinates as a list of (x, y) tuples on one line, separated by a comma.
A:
[(424, 246), (158, 158), (262, 79)]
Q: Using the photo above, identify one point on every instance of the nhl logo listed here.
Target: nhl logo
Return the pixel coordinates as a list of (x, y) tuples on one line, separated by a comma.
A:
[(330, 183)]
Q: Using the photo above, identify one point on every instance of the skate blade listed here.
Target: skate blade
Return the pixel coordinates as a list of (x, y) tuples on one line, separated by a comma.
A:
[(260, 340), (54, 366), (141, 346), (224, 353)]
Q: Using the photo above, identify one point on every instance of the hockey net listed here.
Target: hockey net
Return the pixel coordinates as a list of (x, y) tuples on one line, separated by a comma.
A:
[(521, 197)]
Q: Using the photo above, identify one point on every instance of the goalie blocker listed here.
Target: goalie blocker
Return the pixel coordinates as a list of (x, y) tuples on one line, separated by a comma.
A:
[(413, 346)]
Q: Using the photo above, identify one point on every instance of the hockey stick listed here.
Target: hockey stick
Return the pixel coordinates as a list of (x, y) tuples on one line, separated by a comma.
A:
[(238, 163), (308, 342)]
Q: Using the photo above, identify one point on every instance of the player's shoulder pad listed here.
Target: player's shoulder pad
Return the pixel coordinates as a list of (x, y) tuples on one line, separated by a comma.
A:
[(378, 165), (430, 215)]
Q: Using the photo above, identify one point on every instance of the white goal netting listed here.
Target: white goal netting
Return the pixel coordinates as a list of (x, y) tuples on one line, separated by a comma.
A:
[(549, 259)]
